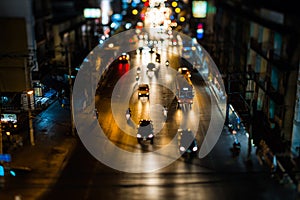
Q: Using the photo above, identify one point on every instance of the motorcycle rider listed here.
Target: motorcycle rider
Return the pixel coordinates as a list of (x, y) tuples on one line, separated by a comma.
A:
[(165, 111), (128, 113), (167, 63)]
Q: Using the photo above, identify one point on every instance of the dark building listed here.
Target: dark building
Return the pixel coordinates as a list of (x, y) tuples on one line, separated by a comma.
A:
[(256, 47)]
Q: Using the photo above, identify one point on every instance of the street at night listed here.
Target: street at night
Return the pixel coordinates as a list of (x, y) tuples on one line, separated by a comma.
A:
[(149, 100)]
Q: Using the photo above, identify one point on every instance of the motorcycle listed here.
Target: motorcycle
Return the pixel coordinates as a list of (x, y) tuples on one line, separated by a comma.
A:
[(96, 114), (165, 112), (128, 114), (236, 148), (138, 70), (167, 63)]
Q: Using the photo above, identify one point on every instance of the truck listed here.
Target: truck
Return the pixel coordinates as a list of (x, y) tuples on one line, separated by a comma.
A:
[(184, 91)]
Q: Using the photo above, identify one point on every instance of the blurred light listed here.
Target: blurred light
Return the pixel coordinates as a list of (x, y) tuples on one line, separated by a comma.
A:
[(142, 16), (101, 41), (135, 11), (128, 25), (114, 25), (177, 10), (12, 173), (182, 19), (174, 24), (92, 13), (1, 170), (133, 4), (199, 9), (116, 17), (111, 45), (200, 31), (30, 92), (174, 4)]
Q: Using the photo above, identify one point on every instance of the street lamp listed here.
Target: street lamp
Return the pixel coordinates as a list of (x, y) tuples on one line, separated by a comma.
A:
[(30, 103)]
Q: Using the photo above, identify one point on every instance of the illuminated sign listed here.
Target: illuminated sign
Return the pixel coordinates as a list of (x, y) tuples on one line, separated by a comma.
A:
[(92, 13), (199, 9), (8, 118)]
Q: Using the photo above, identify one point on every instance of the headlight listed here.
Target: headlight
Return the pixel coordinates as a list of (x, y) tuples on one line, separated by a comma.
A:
[(195, 148), (138, 136), (150, 136), (182, 149), (140, 93), (147, 94)]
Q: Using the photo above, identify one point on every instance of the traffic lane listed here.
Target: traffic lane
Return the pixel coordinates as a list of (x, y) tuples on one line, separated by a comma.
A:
[(159, 96), (187, 185), (125, 137)]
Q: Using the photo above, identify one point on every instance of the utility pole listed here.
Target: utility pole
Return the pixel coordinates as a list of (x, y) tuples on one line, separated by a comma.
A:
[(70, 87), (29, 92)]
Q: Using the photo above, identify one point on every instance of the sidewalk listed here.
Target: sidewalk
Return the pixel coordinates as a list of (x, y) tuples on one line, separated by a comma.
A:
[(225, 160), (279, 164), (43, 161)]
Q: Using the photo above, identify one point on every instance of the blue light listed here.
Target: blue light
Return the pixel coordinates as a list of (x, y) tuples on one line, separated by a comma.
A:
[(134, 5), (200, 35), (1, 171), (116, 17), (12, 173), (200, 31), (172, 17)]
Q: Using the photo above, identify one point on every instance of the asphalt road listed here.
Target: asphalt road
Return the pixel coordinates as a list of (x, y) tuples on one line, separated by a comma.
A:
[(217, 176)]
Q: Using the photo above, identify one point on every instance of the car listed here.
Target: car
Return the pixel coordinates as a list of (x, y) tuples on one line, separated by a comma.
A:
[(157, 59), (145, 131), (184, 71), (143, 90), (124, 58), (187, 142)]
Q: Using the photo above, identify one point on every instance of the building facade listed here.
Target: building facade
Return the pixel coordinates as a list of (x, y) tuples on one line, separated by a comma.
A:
[(37, 38), (256, 46)]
